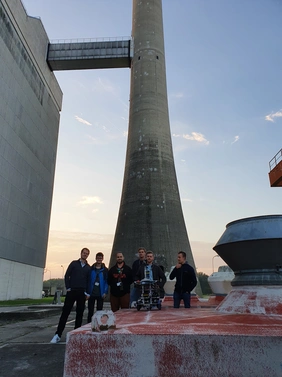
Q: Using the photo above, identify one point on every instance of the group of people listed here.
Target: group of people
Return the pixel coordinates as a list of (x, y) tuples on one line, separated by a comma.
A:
[(91, 283)]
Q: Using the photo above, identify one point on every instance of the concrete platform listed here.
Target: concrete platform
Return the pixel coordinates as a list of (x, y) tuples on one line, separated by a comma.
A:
[(191, 342), (23, 313)]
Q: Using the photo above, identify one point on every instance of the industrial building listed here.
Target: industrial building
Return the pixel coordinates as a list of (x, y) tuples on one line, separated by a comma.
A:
[(30, 107)]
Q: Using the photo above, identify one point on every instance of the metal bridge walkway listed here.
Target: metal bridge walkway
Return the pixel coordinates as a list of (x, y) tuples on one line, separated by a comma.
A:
[(90, 54)]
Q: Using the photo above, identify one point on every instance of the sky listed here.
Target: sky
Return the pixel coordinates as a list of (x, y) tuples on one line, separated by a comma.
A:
[(224, 76)]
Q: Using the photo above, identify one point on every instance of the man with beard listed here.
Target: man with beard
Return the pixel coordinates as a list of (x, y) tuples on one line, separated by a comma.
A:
[(151, 271), (119, 279)]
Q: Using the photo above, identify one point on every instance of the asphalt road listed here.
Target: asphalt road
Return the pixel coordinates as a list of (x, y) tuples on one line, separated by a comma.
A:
[(25, 348)]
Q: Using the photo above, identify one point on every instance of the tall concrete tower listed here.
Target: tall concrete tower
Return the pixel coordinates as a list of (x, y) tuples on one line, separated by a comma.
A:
[(30, 103), (150, 212)]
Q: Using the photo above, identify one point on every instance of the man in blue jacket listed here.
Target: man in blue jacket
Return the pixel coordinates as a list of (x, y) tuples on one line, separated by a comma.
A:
[(186, 281), (98, 286)]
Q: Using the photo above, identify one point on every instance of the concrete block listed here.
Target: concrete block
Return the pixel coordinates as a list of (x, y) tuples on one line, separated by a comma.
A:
[(178, 343)]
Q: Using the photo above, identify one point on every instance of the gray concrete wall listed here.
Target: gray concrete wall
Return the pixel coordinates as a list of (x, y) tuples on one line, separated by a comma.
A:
[(29, 117)]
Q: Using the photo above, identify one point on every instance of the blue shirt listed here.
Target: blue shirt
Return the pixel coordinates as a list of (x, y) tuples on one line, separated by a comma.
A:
[(148, 272)]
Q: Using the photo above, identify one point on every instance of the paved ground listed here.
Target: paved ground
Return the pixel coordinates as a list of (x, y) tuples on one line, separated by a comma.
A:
[(25, 348)]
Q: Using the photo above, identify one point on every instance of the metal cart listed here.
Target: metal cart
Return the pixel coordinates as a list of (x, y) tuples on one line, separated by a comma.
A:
[(150, 294)]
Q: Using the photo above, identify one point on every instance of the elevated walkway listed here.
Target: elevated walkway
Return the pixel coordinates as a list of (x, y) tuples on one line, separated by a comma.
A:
[(275, 174), (90, 54)]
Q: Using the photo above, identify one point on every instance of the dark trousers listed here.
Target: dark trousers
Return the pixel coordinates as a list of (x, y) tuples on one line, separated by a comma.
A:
[(134, 294), (72, 296), (91, 305), (119, 302), (177, 297)]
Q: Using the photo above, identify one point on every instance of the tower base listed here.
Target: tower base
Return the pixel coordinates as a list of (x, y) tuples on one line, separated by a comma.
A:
[(253, 300)]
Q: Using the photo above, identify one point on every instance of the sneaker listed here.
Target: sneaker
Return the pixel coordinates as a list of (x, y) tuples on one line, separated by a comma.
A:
[(55, 339)]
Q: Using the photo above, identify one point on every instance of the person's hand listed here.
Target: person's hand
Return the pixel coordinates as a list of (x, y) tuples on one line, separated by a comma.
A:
[(87, 296), (178, 265), (68, 290), (104, 296)]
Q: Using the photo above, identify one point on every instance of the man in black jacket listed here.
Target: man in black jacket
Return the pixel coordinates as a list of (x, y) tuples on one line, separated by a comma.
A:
[(141, 261), (186, 281), (120, 279), (151, 271), (76, 281)]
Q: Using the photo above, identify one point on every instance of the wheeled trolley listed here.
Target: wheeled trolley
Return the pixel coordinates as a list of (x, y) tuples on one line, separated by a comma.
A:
[(149, 296)]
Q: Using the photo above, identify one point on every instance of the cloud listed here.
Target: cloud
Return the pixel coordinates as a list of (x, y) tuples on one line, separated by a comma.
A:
[(107, 86), (197, 137), (105, 129), (88, 200), (186, 200), (236, 138), (93, 140), (200, 138), (177, 95), (270, 117), (125, 133), (64, 246), (82, 120)]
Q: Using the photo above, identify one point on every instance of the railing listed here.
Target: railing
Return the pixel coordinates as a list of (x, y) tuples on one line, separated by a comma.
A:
[(275, 160), (86, 40)]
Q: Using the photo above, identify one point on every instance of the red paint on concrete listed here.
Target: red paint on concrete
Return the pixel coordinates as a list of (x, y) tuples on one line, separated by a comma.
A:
[(253, 300), (215, 300), (88, 354), (181, 342), (195, 301)]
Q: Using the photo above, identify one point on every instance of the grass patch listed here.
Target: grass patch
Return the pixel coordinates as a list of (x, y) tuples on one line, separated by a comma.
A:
[(29, 301)]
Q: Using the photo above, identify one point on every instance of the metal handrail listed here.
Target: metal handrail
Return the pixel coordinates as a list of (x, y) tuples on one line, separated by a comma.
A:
[(275, 160), (86, 40)]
